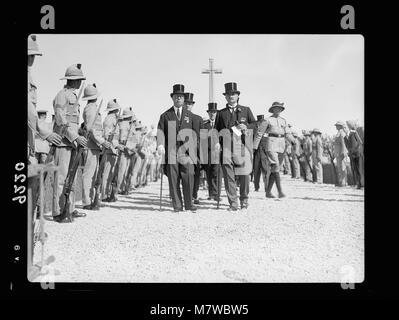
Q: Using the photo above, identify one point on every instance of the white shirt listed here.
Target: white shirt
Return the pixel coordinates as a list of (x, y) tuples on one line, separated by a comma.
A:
[(231, 107), (180, 109)]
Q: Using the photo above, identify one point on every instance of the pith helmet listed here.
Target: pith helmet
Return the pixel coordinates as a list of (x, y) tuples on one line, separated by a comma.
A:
[(33, 47), (90, 92), (339, 123), (177, 89), (112, 105), (276, 104), (230, 88), (316, 131), (127, 113), (294, 133), (74, 72)]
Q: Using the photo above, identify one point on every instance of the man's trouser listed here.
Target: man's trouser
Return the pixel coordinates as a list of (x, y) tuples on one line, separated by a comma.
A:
[(211, 177), (41, 157), (108, 173), (318, 169), (356, 170), (287, 165), (185, 173), (122, 171), (136, 171), (89, 176), (308, 170), (261, 168), (62, 159), (296, 169), (197, 171), (341, 172)]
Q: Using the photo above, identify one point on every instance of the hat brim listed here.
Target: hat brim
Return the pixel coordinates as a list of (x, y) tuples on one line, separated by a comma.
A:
[(34, 53), (73, 78), (112, 109), (271, 108), (90, 97), (231, 92), (189, 101), (173, 93), (210, 110)]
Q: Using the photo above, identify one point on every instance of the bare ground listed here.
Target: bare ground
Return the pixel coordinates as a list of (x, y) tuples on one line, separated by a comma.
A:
[(316, 234)]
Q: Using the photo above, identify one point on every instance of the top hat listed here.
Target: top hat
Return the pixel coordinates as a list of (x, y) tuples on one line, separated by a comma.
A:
[(260, 117), (90, 92), (112, 105), (189, 97), (74, 72), (212, 106), (339, 123), (276, 104), (177, 89), (230, 87), (33, 47), (316, 131)]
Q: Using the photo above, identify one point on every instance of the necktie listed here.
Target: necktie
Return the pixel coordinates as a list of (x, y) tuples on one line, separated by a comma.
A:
[(212, 123), (178, 113)]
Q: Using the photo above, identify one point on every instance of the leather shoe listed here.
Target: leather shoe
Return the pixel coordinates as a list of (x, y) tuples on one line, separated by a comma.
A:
[(192, 208), (216, 199), (209, 198), (177, 209), (88, 207), (244, 205), (281, 195), (77, 214), (62, 219), (196, 201), (269, 195), (232, 208)]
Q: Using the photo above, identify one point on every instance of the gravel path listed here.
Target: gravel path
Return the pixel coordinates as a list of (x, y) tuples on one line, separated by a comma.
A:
[(313, 235)]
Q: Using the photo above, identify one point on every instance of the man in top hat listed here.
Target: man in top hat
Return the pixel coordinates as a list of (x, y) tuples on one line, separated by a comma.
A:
[(211, 163), (111, 134), (42, 147), (260, 158), (295, 154), (175, 127), (307, 152), (317, 153), (198, 125), (67, 112), (93, 123), (234, 121), (340, 153), (275, 129), (354, 145)]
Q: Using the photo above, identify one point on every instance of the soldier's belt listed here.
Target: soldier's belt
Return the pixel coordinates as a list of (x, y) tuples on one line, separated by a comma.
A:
[(274, 135)]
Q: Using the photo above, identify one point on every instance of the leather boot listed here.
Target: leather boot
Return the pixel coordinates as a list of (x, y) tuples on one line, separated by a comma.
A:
[(278, 184), (270, 185)]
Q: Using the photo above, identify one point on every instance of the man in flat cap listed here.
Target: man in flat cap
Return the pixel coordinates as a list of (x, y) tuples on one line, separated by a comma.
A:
[(175, 140), (233, 123), (67, 112), (260, 158), (317, 153), (340, 153), (275, 129), (198, 125)]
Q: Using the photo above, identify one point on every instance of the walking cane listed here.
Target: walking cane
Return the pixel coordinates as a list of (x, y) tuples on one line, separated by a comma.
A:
[(218, 183), (160, 198)]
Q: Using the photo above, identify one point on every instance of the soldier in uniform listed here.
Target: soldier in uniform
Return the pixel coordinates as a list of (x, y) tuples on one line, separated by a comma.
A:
[(212, 165), (110, 127), (353, 143), (235, 120), (42, 147), (307, 153), (126, 127), (179, 164), (67, 111), (287, 154), (275, 129), (92, 119), (317, 153), (260, 158), (340, 153), (295, 154), (198, 125), (138, 158)]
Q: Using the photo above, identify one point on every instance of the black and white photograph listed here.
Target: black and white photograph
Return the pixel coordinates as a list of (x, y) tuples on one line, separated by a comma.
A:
[(195, 158)]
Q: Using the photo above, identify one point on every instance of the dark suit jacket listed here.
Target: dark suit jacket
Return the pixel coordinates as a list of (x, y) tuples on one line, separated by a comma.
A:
[(225, 119), (167, 120)]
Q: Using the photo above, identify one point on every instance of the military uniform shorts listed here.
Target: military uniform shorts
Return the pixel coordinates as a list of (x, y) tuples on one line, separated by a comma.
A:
[(276, 160)]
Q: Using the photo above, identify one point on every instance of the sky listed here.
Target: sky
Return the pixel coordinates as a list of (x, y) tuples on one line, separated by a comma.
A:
[(320, 78)]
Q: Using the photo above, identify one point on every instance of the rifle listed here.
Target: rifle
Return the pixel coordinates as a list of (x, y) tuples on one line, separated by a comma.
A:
[(73, 167), (114, 183), (97, 184), (332, 162), (51, 153)]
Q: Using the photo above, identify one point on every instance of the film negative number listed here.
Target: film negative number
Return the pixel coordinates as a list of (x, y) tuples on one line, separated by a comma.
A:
[(19, 190)]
